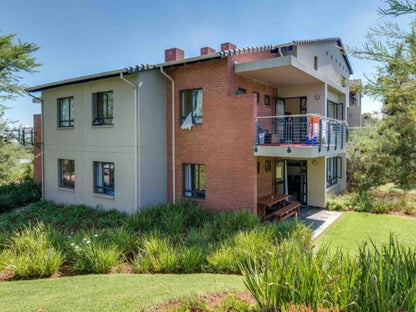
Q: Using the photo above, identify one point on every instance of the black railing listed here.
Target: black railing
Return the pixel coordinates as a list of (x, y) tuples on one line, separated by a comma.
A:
[(23, 136)]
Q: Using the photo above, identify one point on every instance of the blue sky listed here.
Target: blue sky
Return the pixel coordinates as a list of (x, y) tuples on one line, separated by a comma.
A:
[(85, 37)]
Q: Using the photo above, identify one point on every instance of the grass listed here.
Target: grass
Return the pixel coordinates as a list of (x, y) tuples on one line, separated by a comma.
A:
[(114, 292), (353, 228)]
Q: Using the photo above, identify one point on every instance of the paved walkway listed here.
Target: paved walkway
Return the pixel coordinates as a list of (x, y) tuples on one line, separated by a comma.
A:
[(318, 219)]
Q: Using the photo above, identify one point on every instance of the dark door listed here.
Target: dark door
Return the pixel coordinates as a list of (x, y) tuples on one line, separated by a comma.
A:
[(297, 180)]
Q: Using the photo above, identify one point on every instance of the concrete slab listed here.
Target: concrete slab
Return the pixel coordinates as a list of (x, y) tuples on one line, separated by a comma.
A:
[(317, 219)]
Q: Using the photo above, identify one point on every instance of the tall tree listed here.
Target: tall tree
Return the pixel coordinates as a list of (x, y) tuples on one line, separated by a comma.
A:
[(393, 48), (15, 57)]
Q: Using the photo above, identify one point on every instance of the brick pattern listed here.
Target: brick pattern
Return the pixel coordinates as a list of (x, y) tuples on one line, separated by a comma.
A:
[(265, 178), (225, 140), (174, 54), (207, 50), (228, 46), (37, 147)]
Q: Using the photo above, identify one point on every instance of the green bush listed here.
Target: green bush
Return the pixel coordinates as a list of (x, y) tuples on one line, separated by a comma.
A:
[(30, 253), (124, 239), (381, 279), (93, 256), (16, 195)]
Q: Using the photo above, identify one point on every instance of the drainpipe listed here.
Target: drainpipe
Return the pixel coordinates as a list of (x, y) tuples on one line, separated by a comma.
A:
[(42, 145), (173, 135), (136, 138)]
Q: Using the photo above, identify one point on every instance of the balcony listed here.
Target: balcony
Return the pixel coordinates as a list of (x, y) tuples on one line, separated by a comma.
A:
[(299, 136)]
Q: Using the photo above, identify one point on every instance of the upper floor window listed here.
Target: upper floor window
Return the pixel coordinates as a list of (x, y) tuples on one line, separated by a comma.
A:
[(66, 169), (335, 110), (315, 62), (65, 112), (267, 100), (104, 178), (102, 108), (333, 170), (191, 103), (194, 180)]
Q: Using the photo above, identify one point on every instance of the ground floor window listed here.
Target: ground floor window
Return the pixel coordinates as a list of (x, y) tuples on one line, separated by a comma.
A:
[(104, 178), (66, 169), (194, 180), (333, 170)]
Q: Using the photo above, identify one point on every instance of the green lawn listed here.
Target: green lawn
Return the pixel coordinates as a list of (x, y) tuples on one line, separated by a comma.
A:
[(115, 292), (353, 228)]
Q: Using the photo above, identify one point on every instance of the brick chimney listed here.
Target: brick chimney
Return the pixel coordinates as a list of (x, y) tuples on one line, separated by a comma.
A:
[(228, 46), (174, 54), (207, 50)]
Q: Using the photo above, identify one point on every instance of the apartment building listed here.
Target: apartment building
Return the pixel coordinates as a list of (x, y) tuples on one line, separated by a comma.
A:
[(223, 128)]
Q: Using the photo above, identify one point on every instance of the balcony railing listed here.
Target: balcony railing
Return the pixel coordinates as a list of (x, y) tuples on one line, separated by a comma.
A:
[(301, 130)]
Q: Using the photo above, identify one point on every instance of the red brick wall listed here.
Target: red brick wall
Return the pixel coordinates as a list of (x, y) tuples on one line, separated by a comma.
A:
[(224, 142), (37, 151), (265, 178)]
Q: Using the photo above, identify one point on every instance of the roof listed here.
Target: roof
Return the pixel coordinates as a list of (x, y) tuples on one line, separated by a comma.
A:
[(192, 60)]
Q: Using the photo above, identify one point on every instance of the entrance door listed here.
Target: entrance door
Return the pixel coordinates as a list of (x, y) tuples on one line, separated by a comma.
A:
[(297, 180)]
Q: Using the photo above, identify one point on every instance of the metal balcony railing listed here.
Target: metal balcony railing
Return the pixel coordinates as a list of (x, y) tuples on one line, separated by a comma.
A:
[(23, 136), (301, 130)]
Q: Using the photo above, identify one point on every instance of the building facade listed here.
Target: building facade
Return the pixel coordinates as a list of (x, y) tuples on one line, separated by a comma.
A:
[(224, 129)]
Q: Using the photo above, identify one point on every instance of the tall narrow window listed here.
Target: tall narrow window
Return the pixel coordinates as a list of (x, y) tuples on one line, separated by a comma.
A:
[(315, 62), (65, 112), (104, 178), (191, 103), (194, 180), (102, 108), (66, 168), (267, 100), (257, 96), (333, 170)]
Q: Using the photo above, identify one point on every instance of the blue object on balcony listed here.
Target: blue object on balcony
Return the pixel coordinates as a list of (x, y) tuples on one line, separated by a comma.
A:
[(310, 141)]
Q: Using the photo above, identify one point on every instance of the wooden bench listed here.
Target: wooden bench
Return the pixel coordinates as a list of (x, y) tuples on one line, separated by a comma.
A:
[(285, 212)]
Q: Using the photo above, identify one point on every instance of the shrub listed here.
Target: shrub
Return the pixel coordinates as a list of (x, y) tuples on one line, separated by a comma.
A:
[(124, 239), (19, 194), (381, 279), (191, 259), (30, 253), (94, 256)]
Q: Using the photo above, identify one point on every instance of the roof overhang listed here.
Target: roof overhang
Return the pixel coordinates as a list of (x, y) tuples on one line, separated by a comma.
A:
[(284, 71)]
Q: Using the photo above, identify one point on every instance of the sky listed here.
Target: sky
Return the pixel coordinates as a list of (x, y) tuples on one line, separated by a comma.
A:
[(90, 36)]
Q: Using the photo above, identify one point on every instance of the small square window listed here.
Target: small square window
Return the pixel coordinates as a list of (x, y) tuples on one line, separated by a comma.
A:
[(102, 108), (268, 165), (240, 91), (194, 181), (66, 169), (267, 100), (104, 178), (65, 112)]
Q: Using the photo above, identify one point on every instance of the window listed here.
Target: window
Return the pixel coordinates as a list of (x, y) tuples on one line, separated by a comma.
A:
[(191, 103), (66, 169), (257, 95), (268, 165), (335, 110), (267, 100), (65, 112), (194, 181), (258, 167), (102, 108), (104, 178), (333, 170), (315, 62), (240, 91)]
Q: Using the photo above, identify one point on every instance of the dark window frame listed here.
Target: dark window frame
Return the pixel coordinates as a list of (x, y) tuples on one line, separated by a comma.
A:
[(62, 182), (70, 121), (338, 108), (267, 99), (267, 165), (196, 191), (258, 167), (105, 119), (335, 163), (102, 187), (240, 91), (315, 62), (194, 117)]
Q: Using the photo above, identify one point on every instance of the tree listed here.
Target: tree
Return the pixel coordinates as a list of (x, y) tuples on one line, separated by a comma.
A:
[(14, 59), (394, 83)]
